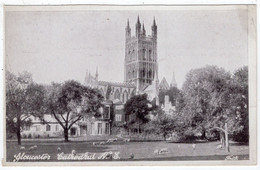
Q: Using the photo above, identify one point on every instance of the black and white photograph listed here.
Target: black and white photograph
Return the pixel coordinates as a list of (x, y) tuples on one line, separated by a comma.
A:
[(130, 84)]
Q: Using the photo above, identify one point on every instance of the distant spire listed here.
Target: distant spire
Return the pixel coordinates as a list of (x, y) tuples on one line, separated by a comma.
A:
[(143, 30), (173, 83), (156, 76), (154, 29), (138, 20), (154, 23), (128, 26), (138, 27)]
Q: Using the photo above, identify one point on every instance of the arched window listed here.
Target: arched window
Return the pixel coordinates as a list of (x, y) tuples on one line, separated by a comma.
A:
[(150, 73), (150, 55), (125, 96), (117, 95), (132, 93), (143, 72), (129, 74), (144, 57), (133, 73), (133, 54)]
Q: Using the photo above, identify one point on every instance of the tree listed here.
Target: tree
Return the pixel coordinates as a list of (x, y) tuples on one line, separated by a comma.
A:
[(214, 98), (165, 125), (206, 95), (70, 102), (138, 107), (24, 100), (239, 105)]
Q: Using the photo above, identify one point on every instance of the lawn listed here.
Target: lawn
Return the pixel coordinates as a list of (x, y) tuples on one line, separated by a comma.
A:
[(140, 150)]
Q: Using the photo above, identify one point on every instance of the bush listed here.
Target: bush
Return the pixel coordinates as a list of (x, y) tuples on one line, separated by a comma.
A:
[(240, 137)]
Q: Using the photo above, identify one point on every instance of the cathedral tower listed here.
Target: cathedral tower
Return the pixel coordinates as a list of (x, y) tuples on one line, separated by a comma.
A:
[(140, 55)]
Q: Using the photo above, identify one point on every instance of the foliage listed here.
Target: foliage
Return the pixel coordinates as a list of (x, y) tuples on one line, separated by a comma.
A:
[(70, 102), (205, 97), (165, 125), (24, 100), (138, 107), (239, 105), (213, 97), (173, 93)]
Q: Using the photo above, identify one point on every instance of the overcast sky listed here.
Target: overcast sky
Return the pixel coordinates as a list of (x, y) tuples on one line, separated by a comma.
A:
[(62, 45)]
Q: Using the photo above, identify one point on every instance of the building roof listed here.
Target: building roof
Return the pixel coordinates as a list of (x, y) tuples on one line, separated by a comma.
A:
[(105, 83), (164, 84), (148, 87)]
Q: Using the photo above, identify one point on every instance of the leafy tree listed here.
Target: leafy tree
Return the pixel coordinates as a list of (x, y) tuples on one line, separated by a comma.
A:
[(214, 97), (239, 105), (206, 95), (24, 100), (70, 102), (165, 125), (138, 107)]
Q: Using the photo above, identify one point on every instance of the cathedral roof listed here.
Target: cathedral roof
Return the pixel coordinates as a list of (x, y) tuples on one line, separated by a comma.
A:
[(148, 87), (105, 83)]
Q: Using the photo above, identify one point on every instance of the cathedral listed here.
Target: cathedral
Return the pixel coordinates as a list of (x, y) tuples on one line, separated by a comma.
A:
[(140, 76), (140, 68)]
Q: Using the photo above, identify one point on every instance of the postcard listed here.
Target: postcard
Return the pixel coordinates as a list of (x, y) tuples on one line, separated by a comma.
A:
[(130, 85)]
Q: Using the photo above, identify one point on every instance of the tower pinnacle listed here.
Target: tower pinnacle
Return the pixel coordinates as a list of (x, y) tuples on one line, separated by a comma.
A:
[(138, 27), (154, 23), (154, 29), (143, 30), (128, 23), (173, 82)]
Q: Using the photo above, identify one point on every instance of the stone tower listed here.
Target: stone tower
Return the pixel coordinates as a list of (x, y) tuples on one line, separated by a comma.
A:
[(140, 55)]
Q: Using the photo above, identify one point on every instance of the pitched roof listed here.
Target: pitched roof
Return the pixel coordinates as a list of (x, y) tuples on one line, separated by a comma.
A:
[(148, 87), (164, 84), (105, 83)]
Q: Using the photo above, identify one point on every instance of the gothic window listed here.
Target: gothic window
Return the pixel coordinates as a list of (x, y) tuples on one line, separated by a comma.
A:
[(133, 54), (125, 96), (133, 93), (48, 128), (117, 94), (133, 73), (143, 72), (129, 74), (150, 55), (144, 57), (150, 73), (129, 55)]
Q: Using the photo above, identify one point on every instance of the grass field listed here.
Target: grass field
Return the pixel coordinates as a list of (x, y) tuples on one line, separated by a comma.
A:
[(140, 150)]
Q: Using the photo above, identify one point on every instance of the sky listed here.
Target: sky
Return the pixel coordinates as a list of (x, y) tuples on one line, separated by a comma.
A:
[(62, 45)]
